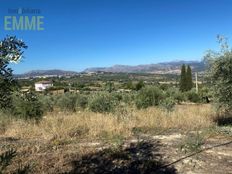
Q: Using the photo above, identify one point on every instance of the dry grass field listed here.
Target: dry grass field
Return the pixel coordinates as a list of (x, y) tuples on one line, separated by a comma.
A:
[(124, 122), (67, 142)]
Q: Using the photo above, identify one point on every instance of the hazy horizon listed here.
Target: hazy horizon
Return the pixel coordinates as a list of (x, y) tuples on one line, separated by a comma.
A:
[(107, 66)]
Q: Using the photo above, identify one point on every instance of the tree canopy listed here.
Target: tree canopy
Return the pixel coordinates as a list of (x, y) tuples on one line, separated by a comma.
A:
[(220, 71), (183, 78), (11, 50), (186, 83), (189, 80)]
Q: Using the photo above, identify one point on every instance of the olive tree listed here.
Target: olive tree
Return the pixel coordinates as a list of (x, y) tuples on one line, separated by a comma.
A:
[(220, 72), (11, 51)]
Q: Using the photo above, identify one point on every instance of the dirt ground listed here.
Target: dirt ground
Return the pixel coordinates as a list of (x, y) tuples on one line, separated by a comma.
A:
[(215, 156), (143, 154)]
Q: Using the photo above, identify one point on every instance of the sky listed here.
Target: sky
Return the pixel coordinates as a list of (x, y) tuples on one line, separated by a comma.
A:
[(78, 34)]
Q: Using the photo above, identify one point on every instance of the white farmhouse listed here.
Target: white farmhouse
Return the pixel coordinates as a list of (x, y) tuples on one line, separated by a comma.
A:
[(42, 85)]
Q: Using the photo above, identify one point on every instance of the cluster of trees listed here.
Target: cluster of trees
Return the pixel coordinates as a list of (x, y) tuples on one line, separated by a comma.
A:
[(186, 83), (130, 85), (111, 101)]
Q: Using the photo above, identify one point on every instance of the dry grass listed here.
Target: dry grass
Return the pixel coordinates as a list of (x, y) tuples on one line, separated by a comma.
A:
[(89, 125), (59, 138)]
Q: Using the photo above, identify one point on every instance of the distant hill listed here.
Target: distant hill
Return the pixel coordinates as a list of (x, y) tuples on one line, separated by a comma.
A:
[(159, 68), (54, 72)]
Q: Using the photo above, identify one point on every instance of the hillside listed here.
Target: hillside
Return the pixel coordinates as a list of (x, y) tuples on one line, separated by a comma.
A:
[(159, 68)]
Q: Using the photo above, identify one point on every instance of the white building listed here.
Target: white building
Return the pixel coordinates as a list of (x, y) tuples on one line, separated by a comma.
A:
[(42, 85)]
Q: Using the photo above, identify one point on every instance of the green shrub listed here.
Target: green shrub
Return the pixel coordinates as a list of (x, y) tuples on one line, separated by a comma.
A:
[(205, 92), (128, 98), (192, 96), (168, 104), (139, 85), (149, 96), (117, 96), (164, 87), (103, 102), (129, 85), (67, 102), (177, 95), (4, 122), (109, 86), (72, 102), (48, 103), (81, 101), (192, 143), (27, 106)]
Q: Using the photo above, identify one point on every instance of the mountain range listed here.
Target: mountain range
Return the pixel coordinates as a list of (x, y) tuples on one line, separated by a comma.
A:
[(53, 72), (159, 68)]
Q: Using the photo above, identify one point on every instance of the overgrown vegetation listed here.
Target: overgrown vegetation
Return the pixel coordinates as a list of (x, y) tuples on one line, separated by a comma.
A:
[(149, 96), (193, 142), (103, 102), (27, 106), (32, 105), (220, 71)]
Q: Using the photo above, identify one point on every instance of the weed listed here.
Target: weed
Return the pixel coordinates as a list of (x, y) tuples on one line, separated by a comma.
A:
[(192, 143)]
